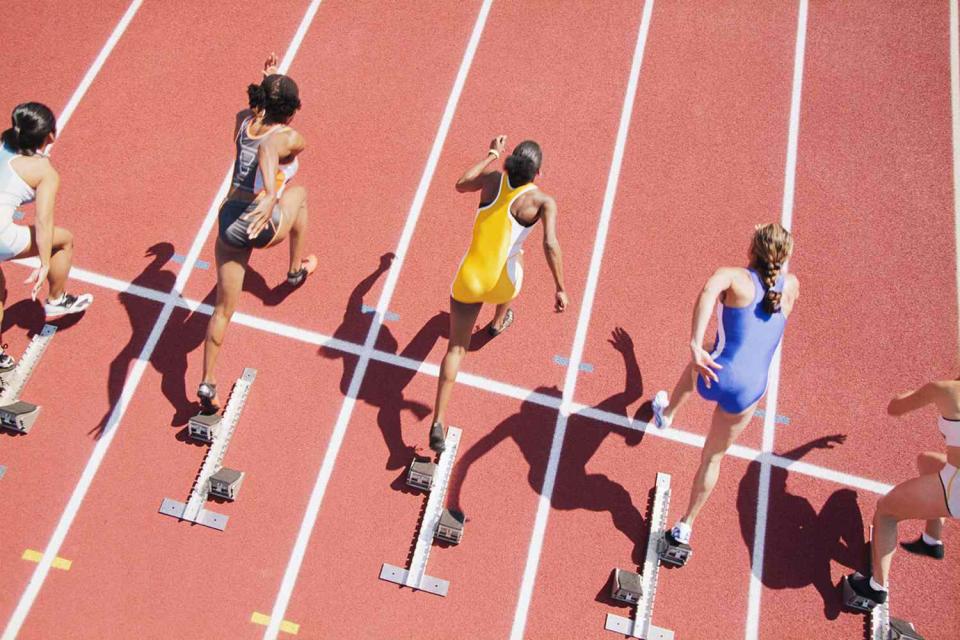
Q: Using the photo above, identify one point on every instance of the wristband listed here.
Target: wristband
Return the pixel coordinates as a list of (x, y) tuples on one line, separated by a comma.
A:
[(496, 154)]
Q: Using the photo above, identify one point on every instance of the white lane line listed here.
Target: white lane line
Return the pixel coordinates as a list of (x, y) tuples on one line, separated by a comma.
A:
[(955, 111), (346, 410), (755, 592), (583, 323), (94, 69), (133, 380), (476, 381)]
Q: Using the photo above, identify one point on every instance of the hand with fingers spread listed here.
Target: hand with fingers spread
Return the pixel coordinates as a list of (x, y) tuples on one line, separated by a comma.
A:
[(259, 218), (498, 146), (704, 365), (38, 276), (270, 66)]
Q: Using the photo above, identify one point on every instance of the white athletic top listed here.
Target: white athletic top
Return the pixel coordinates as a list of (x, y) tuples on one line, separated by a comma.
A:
[(950, 430), (14, 191)]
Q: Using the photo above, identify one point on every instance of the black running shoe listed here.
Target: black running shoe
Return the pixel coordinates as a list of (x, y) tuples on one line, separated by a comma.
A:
[(861, 586), (68, 303), (921, 548), (7, 363), (207, 392), (437, 437)]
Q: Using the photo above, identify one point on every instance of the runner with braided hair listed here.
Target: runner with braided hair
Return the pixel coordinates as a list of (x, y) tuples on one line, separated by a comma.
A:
[(754, 305)]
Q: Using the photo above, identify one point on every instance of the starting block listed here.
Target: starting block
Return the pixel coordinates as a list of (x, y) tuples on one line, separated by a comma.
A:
[(641, 590), (450, 527), (420, 475), (204, 427), (15, 414), (673, 552), (214, 477), (415, 576)]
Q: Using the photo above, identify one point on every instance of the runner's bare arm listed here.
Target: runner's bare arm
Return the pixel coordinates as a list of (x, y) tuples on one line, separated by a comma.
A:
[(912, 400), (478, 176), (552, 252)]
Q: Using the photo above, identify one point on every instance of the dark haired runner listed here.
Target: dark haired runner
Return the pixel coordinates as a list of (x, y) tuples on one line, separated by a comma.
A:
[(259, 211), (27, 174), (492, 269)]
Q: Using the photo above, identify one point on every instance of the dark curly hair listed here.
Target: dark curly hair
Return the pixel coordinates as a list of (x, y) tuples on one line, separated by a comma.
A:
[(31, 122), (524, 163), (277, 97)]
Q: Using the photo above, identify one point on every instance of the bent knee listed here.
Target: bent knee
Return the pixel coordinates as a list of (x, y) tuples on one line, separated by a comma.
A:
[(929, 463), (63, 238)]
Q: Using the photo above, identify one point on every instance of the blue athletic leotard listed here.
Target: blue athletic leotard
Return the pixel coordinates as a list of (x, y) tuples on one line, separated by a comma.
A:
[(747, 338)]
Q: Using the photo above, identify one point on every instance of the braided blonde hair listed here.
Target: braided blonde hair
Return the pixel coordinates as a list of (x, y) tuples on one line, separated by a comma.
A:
[(770, 250)]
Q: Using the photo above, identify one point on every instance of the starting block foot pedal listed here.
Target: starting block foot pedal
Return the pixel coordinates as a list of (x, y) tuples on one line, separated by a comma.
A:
[(421, 473), (225, 483), (627, 586), (204, 427), (903, 630), (854, 600), (673, 552), (19, 416), (450, 526)]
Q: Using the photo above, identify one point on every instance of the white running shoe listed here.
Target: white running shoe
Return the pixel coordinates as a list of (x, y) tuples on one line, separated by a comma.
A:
[(660, 403), (681, 532), (68, 303)]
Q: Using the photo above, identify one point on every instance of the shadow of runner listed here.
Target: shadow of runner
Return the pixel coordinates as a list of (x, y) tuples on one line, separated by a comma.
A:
[(384, 384), (801, 543), (575, 487)]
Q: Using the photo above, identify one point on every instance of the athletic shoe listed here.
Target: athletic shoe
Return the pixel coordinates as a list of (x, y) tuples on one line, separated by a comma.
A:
[(861, 586), (67, 303), (921, 548), (660, 403), (681, 532), (7, 363), (437, 437), (206, 392)]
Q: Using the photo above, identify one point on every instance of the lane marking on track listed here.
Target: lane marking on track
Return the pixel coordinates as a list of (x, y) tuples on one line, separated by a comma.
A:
[(285, 626), (346, 409), (387, 315), (179, 258), (583, 322), (3, 470), (955, 118), (308, 336), (30, 555), (28, 597), (586, 367), (762, 414), (752, 629)]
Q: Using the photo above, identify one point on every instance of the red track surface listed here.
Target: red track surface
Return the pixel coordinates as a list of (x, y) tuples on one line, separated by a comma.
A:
[(142, 159)]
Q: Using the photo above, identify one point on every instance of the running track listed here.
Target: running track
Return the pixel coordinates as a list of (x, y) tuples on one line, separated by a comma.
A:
[(654, 193)]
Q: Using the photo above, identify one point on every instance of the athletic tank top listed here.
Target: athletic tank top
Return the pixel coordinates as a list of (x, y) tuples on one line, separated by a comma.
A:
[(246, 168), (748, 336), (497, 236), (950, 430), (13, 190)]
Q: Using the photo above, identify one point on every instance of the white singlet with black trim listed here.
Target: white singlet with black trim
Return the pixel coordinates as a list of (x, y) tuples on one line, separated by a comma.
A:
[(14, 192)]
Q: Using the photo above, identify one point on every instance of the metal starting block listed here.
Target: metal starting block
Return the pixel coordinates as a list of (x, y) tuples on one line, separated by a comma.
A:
[(420, 475), (415, 576), (16, 415), (903, 630), (641, 590), (225, 483), (450, 527), (213, 477), (673, 552), (627, 586), (19, 416), (204, 427)]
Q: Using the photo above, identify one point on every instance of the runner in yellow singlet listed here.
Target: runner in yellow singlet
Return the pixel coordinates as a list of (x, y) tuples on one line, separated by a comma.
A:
[(492, 269)]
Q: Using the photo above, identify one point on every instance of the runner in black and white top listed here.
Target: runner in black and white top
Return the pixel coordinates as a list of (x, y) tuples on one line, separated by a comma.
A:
[(260, 211), (27, 174)]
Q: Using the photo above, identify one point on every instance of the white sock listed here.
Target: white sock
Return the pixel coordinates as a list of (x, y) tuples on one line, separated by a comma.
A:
[(930, 540), (876, 586), (57, 300)]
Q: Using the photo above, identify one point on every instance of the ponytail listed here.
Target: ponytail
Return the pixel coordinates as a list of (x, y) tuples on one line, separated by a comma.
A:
[(771, 248), (257, 97), (277, 97), (31, 125)]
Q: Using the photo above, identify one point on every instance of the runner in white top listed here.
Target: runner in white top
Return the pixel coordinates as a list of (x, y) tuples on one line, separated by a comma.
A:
[(26, 174)]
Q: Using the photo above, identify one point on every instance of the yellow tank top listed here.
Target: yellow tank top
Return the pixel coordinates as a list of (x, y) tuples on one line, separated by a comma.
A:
[(496, 236)]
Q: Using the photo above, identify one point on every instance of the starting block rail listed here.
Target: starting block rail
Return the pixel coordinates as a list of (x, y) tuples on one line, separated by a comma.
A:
[(415, 576), (14, 414), (641, 626), (193, 510)]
